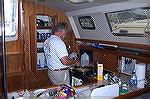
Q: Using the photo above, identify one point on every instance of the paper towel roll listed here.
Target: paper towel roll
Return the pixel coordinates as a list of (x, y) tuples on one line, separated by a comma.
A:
[(140, 73)]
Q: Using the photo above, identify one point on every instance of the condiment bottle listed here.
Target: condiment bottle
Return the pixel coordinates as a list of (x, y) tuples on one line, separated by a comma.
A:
[(99, 71)]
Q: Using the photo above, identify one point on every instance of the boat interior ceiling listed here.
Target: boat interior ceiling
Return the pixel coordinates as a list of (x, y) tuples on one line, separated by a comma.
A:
[(97, 10), (73, 5), (67, 6)]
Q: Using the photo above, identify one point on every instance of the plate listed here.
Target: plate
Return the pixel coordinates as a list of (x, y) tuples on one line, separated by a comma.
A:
[(40, 93)]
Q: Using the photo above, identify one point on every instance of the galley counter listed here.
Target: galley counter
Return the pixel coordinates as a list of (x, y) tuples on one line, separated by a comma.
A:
[(84, 90)]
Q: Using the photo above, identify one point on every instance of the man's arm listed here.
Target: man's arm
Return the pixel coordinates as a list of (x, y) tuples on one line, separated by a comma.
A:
[(68, 61)]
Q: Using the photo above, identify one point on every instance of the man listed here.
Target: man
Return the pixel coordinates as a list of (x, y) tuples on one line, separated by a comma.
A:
[(57, 56)]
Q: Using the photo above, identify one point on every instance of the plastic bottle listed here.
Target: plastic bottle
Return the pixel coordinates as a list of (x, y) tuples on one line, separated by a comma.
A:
[(99, 71), (133, 78), (84, 59), (73, 55)]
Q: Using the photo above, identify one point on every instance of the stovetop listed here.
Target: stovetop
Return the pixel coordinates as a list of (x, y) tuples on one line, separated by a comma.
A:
[(83, 73)]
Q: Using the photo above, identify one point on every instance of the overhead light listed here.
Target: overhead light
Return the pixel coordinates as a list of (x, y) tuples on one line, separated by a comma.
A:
[(78, 1)]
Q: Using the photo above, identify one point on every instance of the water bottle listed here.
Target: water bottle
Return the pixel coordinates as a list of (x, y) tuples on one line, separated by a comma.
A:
[(133, 79), (84, 59)]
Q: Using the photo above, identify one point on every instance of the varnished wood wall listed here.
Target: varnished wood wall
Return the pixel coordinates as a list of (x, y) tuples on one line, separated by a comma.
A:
[(14, 62)]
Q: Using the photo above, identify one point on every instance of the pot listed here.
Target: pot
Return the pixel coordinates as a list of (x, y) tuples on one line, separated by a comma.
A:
[(83, 69)]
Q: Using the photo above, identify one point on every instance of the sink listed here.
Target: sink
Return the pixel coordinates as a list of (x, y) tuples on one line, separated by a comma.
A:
[(109, 91)]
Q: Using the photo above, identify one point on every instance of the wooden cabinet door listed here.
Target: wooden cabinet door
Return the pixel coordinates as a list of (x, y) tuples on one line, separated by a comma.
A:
[(110, 62), (98, 56), (109, 59)]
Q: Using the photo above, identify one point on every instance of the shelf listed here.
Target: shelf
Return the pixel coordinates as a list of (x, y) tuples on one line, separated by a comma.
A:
[(44, 68), (12, 53), (10, 74), (44, 27), (40, 40), (40, 50)]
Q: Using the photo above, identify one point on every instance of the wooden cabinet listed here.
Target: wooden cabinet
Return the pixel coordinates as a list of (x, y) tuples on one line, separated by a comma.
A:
[(107, 57), (41, 28), (39, 33), (110, 61)]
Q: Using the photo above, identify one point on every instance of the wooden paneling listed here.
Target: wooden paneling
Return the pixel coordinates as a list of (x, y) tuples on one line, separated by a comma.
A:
[(14, 61), (15, 71), (110, 61), (108, 58), (15, 82), (39, 80)]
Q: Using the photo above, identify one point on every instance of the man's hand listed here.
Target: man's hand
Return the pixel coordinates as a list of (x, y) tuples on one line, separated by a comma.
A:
[(77, 63)]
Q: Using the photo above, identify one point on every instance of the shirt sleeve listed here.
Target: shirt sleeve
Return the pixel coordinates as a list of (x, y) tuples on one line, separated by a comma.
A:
[(61, 50)]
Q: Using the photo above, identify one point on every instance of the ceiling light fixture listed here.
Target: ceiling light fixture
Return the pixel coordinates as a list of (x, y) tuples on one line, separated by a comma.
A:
[(78, 1)]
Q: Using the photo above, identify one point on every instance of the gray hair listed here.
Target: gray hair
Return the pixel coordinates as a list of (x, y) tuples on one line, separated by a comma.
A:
[(61, 26)]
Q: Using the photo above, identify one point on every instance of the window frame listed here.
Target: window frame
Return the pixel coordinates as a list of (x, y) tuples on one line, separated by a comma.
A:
[(125, 33), (13, 20), (86, 22)]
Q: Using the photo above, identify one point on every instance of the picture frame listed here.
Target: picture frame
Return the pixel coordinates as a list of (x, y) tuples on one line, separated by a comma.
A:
[(86, 22)]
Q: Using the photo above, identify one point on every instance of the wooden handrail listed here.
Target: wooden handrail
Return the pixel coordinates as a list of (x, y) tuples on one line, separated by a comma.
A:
[(120, 44)]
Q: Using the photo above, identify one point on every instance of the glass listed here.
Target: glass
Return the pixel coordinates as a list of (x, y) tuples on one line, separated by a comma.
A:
[(132, 22), (11, 17), (86, 22)]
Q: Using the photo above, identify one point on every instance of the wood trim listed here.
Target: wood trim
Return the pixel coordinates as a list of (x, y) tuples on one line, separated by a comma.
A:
[(32, 24), (13, 53), (121, 44), (134, 94)]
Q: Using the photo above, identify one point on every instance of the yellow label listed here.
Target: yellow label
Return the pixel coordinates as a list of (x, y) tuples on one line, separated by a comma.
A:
[(99, 77), (100, 72)]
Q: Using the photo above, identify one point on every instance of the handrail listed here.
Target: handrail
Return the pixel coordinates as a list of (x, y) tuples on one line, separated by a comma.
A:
[(120, 44)]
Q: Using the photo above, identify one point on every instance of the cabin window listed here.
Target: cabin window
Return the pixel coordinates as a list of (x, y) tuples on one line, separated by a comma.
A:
[(132, 23), (11, 19), (86, 22)]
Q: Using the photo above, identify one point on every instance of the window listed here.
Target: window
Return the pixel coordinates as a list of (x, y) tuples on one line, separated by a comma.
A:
[(86, 22), (132, 23), (11, 19)]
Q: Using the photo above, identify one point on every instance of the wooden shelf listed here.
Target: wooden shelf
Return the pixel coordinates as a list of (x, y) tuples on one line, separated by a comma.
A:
[(40, 50), (13, 74), (40, 40), (44, 27), (120, 44), (12, 53)]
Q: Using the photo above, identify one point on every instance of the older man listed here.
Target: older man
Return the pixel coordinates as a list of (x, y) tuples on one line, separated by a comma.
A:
[(57, 56)]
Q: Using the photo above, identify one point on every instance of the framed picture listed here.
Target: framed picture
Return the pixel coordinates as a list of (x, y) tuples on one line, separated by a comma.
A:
[(86, 22)]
